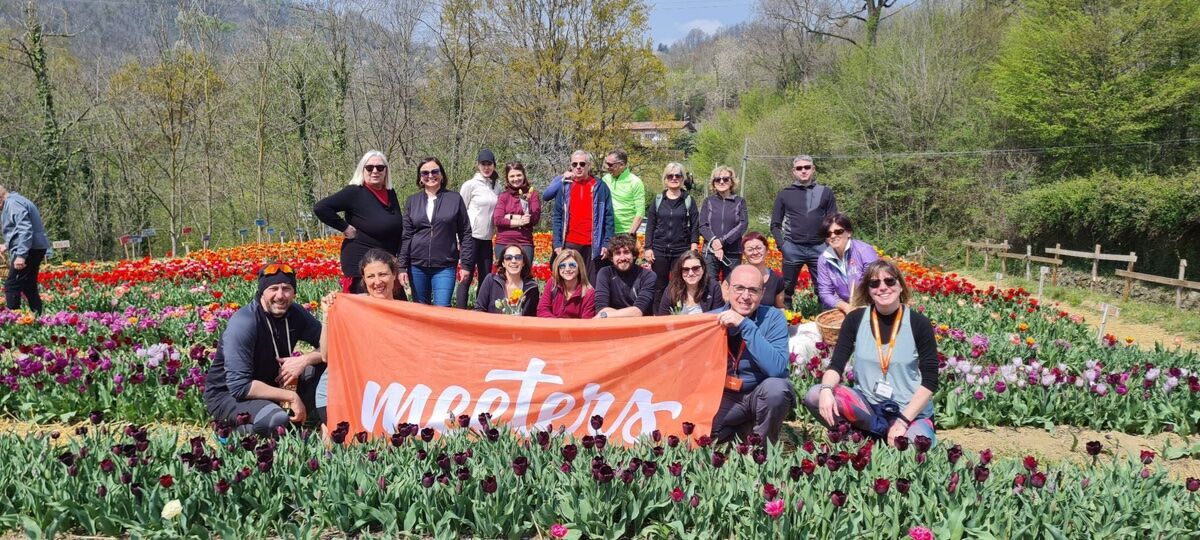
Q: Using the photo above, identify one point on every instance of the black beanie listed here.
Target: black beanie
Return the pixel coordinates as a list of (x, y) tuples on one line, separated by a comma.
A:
[(265, 281)]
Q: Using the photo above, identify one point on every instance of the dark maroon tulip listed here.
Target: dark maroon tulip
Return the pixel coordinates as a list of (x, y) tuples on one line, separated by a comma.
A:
[(1144, 474), (464, 420), (264, 466), (221, 487), (901, 443), (627, 476), (953, 454), (485, 419), (126, 478), (982, 473), (833, 464), (488, 484), (688, 428), (1030, 463), (543, 439), (718, 459), (952, 486), (397, 439), (882, 485), (166, 481), (372, 455), (243, 419), (601, 441), (759, 455), (443, 479), (656, 436), (107, 465), (588, 442), (101, 491), (1038, 479), (770, 491), (463, 474), (81, 430), (338, 437), (361, 437), (67, 458), (422, 454), (658, 451), (565, 468), (694, 501), (859, 462), (382, 483), (427, 480), (1094, 448), (313, 465), (604, 474), (675, 468), (834, 436), (922, 443), (96, 417), (520, 465), (597, 422), (921, 457), (649, 468), (856, 437), (1019, 480), (1147, 456), (1192, 484), (493, 434), (704, 441), (136, 489), (427, 434), (838, 498), (743, 448), (808, 467), (795, 472), (985, 456), (672, 441), (443, 462), (902, 485), (569, 452), (73, 469)]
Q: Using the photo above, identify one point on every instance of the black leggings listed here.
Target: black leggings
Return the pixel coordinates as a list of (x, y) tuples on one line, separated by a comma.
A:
[(478, 268), (662, 273)]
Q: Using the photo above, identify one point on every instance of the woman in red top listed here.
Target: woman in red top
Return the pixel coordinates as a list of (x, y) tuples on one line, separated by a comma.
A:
[(568, 295), (518, 210)]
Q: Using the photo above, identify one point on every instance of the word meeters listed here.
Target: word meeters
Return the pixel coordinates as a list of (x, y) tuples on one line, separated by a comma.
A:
[(398, 404)]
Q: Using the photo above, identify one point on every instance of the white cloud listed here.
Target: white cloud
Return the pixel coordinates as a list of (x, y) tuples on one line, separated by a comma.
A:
[(709, 26)]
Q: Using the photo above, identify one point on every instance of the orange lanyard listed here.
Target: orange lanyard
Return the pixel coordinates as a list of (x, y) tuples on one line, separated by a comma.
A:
[(885, 360), (734, 362)]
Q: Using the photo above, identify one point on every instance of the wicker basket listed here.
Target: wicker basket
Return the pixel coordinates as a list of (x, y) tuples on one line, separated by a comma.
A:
[(830, 324)]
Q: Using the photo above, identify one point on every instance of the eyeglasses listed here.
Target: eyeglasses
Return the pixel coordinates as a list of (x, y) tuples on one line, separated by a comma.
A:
[(674, 176), (692, 270), (275, 268), (756, 249), (579, 164), (739, 290), (836, 232), (431, 172), (803, 167), (514, 257), (613, 163), (722, 180), (889, 281), (373, 168), (569, 265)]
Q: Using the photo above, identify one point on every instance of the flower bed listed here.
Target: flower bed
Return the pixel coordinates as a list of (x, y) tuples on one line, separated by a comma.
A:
[(108, 480)]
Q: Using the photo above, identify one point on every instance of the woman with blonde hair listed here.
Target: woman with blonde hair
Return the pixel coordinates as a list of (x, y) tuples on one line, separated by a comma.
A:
[(568, 295), (368, 215), (672, 227), (723, 220)]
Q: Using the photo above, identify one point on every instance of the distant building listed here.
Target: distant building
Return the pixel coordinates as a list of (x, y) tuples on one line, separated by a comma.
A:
[(658, 133)]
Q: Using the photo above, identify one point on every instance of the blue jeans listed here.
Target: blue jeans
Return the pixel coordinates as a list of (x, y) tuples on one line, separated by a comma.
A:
[(795, 256), (438, 281)]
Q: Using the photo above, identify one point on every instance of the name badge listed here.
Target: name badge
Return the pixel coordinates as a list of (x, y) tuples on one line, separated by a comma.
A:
[(733, 383), (883, 390)]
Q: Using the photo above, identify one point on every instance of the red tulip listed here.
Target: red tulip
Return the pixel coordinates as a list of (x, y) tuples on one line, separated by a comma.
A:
[(882, 485), (1030, 463), (166, 481), (677, 495), (1038, 479), (769, 491), (1147, 456)]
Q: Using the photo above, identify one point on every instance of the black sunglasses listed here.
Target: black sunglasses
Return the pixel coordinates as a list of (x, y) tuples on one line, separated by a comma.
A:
[(514, 257), (889, 281), (722, 179), (431, 172), (803, 167), (579, 164), (373, 168)]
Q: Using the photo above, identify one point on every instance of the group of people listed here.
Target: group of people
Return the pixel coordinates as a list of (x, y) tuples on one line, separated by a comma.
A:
[(483, 233)]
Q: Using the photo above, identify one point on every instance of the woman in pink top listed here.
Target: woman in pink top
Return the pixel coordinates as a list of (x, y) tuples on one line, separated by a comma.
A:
[(517, 211), (568, 295)]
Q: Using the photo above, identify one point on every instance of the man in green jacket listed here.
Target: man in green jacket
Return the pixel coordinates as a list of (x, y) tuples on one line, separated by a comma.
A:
[(628, 193)]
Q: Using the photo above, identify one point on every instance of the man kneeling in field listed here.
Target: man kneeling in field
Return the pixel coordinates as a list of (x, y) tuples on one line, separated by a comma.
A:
[(254, 362)]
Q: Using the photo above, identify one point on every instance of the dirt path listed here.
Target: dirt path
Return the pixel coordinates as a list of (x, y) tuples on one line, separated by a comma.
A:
[(1144, 335)]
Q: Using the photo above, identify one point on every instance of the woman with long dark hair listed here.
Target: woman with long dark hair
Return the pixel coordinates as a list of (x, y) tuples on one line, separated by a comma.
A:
[(690, 290), (518, 211), (511, 287)]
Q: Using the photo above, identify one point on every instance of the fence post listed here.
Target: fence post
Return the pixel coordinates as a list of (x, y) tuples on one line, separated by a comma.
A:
[(1129, 279), (1028, 254), (968, 249), (1179, 289), (1054, 269), (987, 255), (1096, 265)]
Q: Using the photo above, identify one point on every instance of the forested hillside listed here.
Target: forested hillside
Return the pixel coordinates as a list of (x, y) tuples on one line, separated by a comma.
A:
[(935, 120)]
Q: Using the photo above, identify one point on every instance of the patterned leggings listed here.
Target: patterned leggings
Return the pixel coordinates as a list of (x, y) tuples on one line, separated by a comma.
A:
[(854, 409)]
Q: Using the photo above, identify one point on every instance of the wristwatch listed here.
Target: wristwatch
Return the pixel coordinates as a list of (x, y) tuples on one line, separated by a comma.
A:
[(603, 314), (827, 387)]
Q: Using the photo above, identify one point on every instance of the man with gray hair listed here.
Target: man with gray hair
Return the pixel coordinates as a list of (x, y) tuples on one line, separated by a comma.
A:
[(796, 221), (582, 216), (26, 244)]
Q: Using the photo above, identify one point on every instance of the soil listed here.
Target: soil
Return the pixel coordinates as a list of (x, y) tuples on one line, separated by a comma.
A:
[(1144, 335)]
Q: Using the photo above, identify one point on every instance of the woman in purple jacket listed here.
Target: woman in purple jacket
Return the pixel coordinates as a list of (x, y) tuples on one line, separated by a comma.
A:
[(517, 212), (842, 264)]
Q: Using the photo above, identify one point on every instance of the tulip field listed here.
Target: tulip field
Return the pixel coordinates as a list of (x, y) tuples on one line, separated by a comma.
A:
[(111, 376)]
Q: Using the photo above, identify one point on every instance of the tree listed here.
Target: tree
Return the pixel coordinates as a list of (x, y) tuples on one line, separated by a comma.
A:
[(836, 19)]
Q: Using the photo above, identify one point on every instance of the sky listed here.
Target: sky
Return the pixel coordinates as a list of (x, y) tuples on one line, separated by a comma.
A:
[(672, 19)]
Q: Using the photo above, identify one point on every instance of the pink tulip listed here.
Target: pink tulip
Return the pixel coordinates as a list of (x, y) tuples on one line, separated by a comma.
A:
[(774, 508)]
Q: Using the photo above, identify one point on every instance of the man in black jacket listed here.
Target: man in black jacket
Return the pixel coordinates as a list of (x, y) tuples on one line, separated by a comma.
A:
[(796, 222), (624, 289)]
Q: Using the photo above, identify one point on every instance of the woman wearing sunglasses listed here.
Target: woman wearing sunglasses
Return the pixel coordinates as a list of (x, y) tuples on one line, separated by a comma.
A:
[(513, 278), (367, 213), (690, 291), (435, 225), (842, 264), (672, 227), (894, 356), (568, 295), (723, 221)]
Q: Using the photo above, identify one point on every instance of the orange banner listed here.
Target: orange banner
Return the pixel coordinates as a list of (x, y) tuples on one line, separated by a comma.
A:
[(398, 362)]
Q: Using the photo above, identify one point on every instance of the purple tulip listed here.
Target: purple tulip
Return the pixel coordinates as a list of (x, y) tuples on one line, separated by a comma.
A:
[(688, 428), (597, 422), (838, 498), (569, 452), (1094, 448), (1192, 484), (903, 485), (718, 459), (953, 454), (489, 484), (982, 473)]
